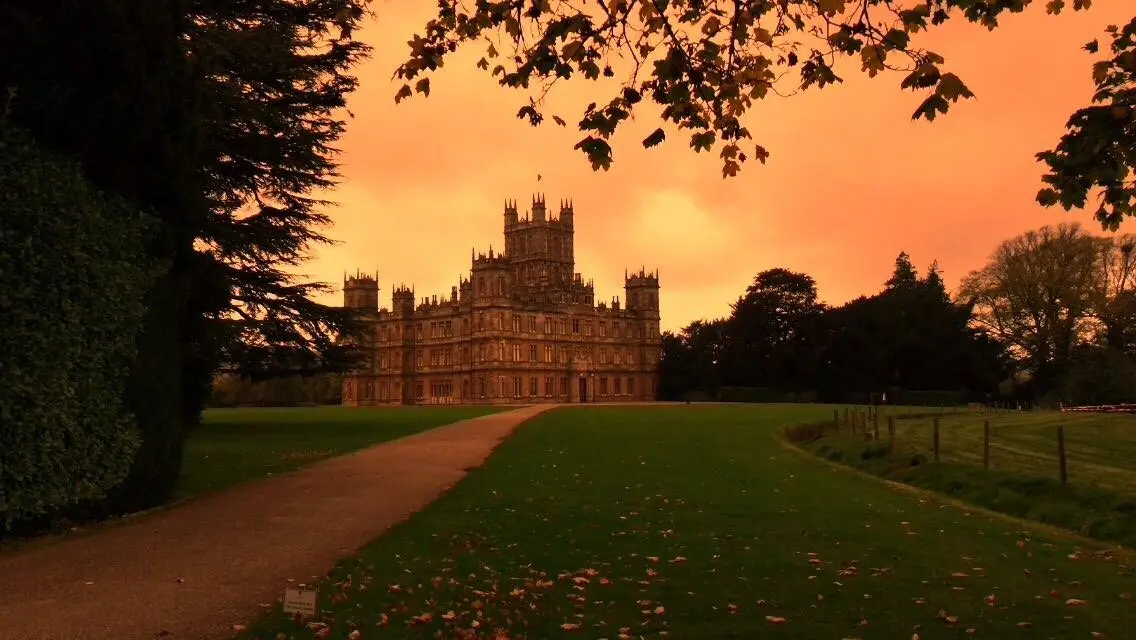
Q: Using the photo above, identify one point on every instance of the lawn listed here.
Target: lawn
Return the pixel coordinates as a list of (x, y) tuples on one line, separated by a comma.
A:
[(1023, 478), (237, 445), (696, 521), (1100, 449)]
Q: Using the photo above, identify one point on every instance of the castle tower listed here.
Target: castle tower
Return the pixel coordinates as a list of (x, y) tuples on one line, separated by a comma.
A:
[(402, 300), (361, 292), (642, 292), (510, 214), (538, 210)]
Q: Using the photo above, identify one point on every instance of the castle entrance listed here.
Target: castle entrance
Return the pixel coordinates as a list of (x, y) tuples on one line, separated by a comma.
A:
[(583, 389)]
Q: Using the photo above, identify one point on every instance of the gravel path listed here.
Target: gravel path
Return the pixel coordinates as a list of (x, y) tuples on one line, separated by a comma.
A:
[(193, 571)]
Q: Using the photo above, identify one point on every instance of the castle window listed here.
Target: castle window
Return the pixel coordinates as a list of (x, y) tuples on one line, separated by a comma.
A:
[(564, 354), (481, 286), (564, 387), (615, 329), (465, 355), (548, 325), (603, 329), (548, 387), (603, 386), (418, 358), (516, 323), (532, 324), (532, 353), (548, 353), (618, 386), (481, 354), (449, 328), (631, 386), (576, 326), (642, 331), (482, 386), (534, 387), (603, 356), (500, 285), (418, 330), (618, 357), (517, 387), (630, 357), (516, 353), (418, 390), (588, 328)]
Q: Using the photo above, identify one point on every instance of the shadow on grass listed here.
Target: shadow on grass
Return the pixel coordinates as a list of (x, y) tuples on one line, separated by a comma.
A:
[(1089, 510)]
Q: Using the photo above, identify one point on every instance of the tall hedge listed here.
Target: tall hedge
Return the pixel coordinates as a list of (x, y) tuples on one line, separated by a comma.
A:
[(73, 275)]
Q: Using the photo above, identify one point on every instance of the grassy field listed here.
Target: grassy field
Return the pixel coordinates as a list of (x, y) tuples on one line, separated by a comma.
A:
[(237, 445), (1023, 478), (697, 522)]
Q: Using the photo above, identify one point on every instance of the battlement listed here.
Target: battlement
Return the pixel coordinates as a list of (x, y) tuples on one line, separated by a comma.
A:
[(538, 215), (643, 278), (360, 280), (488, 260)]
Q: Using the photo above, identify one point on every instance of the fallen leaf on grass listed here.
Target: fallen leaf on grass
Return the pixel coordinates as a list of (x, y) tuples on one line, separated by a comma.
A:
[(569, 626), (1075, 602), (775, 620)]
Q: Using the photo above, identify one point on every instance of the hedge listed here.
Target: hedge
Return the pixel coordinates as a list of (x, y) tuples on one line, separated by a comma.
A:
[(73, 276)]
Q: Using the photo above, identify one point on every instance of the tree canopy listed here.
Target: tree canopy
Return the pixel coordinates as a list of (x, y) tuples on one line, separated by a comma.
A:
[(706, 64)]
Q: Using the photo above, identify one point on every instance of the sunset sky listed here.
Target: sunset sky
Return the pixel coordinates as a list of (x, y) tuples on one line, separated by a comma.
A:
[(851, 180)]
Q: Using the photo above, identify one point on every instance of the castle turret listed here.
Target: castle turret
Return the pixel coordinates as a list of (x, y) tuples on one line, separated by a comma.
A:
[(403, 300), (361, 292), (538, 210), (642, 291), (567, 215), (510, 213)]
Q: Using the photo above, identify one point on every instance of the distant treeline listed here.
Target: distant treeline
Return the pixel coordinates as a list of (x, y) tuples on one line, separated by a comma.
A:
[(1050, 319), (233, 391)]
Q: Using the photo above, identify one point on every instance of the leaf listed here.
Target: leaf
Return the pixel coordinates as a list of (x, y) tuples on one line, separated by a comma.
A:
[(423, 87), (657, 136), (952, 88), (702, 140), (404, 92), (1100, 71), (872, 59), (831, 7), (560, 121), (730, 168), (1092, 46), (483, 64), (760, 153), (1054, 7)]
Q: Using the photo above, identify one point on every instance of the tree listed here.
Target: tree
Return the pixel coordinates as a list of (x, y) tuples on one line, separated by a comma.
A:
[(767, 328), (223, 134), (904, 276), (1036, 295), (1098, 150), (704, 63)]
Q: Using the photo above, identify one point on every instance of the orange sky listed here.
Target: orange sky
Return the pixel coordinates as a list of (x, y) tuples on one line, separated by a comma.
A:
[(851, 180)]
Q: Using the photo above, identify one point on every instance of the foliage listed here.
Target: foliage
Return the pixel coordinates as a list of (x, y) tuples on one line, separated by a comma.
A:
[(705, 64), (107, 84), (277, 76), (1097, 153), (780, 344), (1036, 294), (1096, 376), (294, 391), (694, 521), (223, 133), (73, 275)]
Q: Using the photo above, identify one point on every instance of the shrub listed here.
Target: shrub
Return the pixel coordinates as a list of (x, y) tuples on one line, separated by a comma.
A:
[(73, 277)]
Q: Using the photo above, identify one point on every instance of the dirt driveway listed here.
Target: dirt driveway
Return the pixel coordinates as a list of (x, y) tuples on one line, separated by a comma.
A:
[(193, 571)]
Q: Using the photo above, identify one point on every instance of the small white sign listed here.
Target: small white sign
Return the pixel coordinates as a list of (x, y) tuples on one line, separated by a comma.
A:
[(300, 600)]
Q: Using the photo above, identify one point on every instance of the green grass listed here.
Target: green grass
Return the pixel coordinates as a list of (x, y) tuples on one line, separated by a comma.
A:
[(1023, 479), (698, 522), (236, 445), (1100, 449)]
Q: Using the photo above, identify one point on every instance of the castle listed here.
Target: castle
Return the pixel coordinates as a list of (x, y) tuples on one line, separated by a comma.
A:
[(523, 328)]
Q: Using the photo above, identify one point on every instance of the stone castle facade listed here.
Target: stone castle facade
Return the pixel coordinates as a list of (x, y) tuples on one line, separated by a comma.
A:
[(523, 328)]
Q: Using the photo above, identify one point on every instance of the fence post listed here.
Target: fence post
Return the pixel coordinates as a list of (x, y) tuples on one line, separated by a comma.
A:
[(935, 430), (846, 422), (876, 426), (836, 420), (1061, 454), (891, 433), (986, 444)]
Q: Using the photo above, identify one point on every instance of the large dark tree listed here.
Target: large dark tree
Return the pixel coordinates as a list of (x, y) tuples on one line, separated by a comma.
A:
[(768, 330), (219, 117)]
